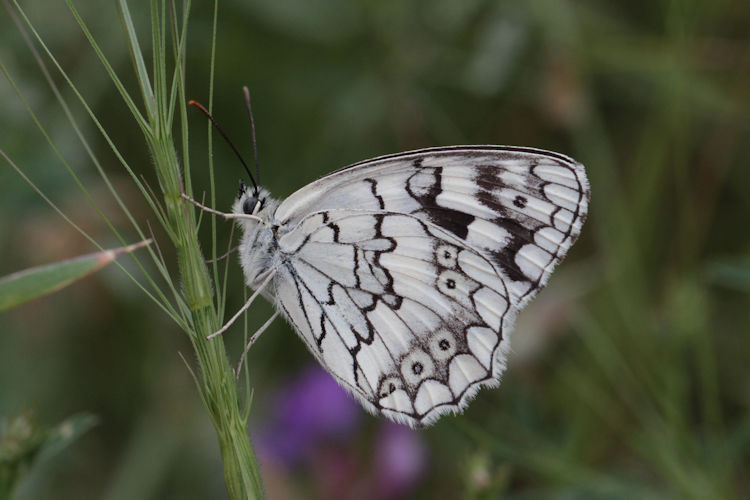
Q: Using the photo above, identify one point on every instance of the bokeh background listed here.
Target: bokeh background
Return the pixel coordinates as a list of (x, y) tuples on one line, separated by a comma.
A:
[(630, 375)]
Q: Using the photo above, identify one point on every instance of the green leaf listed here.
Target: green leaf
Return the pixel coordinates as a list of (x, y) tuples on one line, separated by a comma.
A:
[(26, 285)]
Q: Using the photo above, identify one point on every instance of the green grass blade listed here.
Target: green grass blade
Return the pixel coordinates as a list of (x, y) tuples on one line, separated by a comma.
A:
[(24, 286), (137, 56), (221, 299), (163, 304), (110, 70), (93, 117), (162, 301)]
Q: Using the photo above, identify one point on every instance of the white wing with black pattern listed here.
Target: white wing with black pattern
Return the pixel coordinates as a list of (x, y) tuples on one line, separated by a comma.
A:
[(403, 274)]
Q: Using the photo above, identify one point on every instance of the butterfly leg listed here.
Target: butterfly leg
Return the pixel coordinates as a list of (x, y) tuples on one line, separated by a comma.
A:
[(217, 259), (244, 308), (253, 339)]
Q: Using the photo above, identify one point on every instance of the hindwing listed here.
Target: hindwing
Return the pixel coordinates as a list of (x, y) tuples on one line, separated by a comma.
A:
[(401, 312)]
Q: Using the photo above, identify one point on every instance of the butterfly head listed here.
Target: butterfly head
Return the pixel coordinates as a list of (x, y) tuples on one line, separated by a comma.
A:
[(252, 201)]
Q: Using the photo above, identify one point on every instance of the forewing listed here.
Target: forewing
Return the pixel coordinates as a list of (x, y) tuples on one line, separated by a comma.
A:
[(520, 208)]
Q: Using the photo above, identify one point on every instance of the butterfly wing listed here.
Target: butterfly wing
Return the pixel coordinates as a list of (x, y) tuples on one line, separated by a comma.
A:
[(406, 272)]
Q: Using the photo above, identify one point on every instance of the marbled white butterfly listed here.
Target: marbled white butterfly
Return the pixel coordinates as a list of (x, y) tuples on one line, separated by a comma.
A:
[(403, 274)]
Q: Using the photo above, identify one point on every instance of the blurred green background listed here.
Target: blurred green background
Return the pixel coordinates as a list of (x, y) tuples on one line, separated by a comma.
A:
[(630, 375)]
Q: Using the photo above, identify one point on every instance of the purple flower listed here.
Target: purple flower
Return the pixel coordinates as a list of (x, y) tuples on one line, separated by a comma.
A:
[(312, 427), (310, 410), (401, 458)]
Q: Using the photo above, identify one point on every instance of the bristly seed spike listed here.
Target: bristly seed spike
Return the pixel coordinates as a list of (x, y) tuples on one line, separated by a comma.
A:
[(200, 106), (246, 91)]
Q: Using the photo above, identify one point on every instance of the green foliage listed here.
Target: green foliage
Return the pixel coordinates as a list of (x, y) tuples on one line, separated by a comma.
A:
[(193, 307), (23, 286), (24, 445)]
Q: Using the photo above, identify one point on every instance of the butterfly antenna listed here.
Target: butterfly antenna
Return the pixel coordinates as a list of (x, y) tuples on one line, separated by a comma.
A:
[(226, 138), (252, 130)]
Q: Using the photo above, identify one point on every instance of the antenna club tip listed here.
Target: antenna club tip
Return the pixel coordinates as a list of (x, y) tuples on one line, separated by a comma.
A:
[(193, 102)]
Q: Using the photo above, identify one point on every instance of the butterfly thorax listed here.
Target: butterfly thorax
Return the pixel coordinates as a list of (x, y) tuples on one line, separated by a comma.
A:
[(258, 244)]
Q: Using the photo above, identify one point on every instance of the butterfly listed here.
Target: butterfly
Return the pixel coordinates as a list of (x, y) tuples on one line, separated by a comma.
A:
[(403, 274)]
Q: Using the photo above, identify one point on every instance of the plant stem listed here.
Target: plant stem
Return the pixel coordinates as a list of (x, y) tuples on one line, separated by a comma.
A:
[(196, 310), (217, 379)]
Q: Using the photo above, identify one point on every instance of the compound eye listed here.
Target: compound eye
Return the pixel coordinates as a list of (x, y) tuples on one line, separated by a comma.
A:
[(250, 205), (253, 205)]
